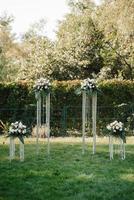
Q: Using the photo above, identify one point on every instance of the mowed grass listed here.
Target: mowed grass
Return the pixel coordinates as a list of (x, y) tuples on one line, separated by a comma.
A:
[(66, 174)]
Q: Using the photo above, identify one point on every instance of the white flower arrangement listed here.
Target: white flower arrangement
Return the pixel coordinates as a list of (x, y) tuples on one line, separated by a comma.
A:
[(42, 84), (88, 84), (116, 129), (19, 130), (115, 126)]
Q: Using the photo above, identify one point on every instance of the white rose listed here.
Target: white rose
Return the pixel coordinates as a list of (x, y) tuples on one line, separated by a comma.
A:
[(20, 125), (24, 131), (117, 127), (109, 127)]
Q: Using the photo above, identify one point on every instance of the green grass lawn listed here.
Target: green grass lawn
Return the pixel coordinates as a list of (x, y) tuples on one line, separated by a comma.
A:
[(66, 174)]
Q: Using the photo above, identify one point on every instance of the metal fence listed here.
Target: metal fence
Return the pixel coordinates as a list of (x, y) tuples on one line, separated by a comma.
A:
[(67, 120)]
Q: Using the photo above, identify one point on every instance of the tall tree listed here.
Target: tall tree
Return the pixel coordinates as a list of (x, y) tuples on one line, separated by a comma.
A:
[(37, 49), (9, 50), (79, 43), (116, 19)]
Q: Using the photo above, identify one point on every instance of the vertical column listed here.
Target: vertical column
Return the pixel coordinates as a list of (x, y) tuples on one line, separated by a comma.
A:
[(37, 128), (94, 112), (83, 120), (21, 151), (87, 121), (39, 110), (122, 149), (124, 152), (11, 148), (48, 121), (111, 146)]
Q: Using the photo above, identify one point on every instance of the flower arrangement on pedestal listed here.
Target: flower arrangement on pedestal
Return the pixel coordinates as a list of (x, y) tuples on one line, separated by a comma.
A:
[(88, 89), (116, 129), (42, 90), (42, 85), (17, 130), (89, 85)]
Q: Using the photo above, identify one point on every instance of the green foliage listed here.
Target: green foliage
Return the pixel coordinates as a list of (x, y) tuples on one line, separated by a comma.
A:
[(37, 59), (117, 91), (9, 50), (115, 19), (18, 103), (4, 128), (78, 48), (15, 97), (91, 41)]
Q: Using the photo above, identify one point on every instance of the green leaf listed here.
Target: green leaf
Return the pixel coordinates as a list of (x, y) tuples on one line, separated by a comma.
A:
[(21, 139)]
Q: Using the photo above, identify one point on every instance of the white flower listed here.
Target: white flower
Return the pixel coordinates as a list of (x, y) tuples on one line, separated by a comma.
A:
[(16, 123), (88, 84), (16, 128), (20, 125), (120, 123), (11, 129), (42, 84), (24, 131), (117, 127), (109, 127)]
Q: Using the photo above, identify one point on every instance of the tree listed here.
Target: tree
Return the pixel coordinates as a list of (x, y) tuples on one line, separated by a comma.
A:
[(9, 50), (37, 53), (91, 41), (115, 19), (79, 43)]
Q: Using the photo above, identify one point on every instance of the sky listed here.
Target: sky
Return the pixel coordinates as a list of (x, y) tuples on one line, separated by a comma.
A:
[(26, 12)]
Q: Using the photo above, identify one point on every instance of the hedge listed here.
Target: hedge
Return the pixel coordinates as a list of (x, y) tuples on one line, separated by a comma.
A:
[(17, 102)]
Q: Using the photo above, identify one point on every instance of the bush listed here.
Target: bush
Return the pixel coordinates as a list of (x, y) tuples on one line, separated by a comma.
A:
[(18, 103)]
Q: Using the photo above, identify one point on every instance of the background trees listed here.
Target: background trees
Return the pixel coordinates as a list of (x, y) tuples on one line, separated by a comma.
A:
[(36, 60), (91, 41), (116, 20), (79, 45), (9, 50)]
